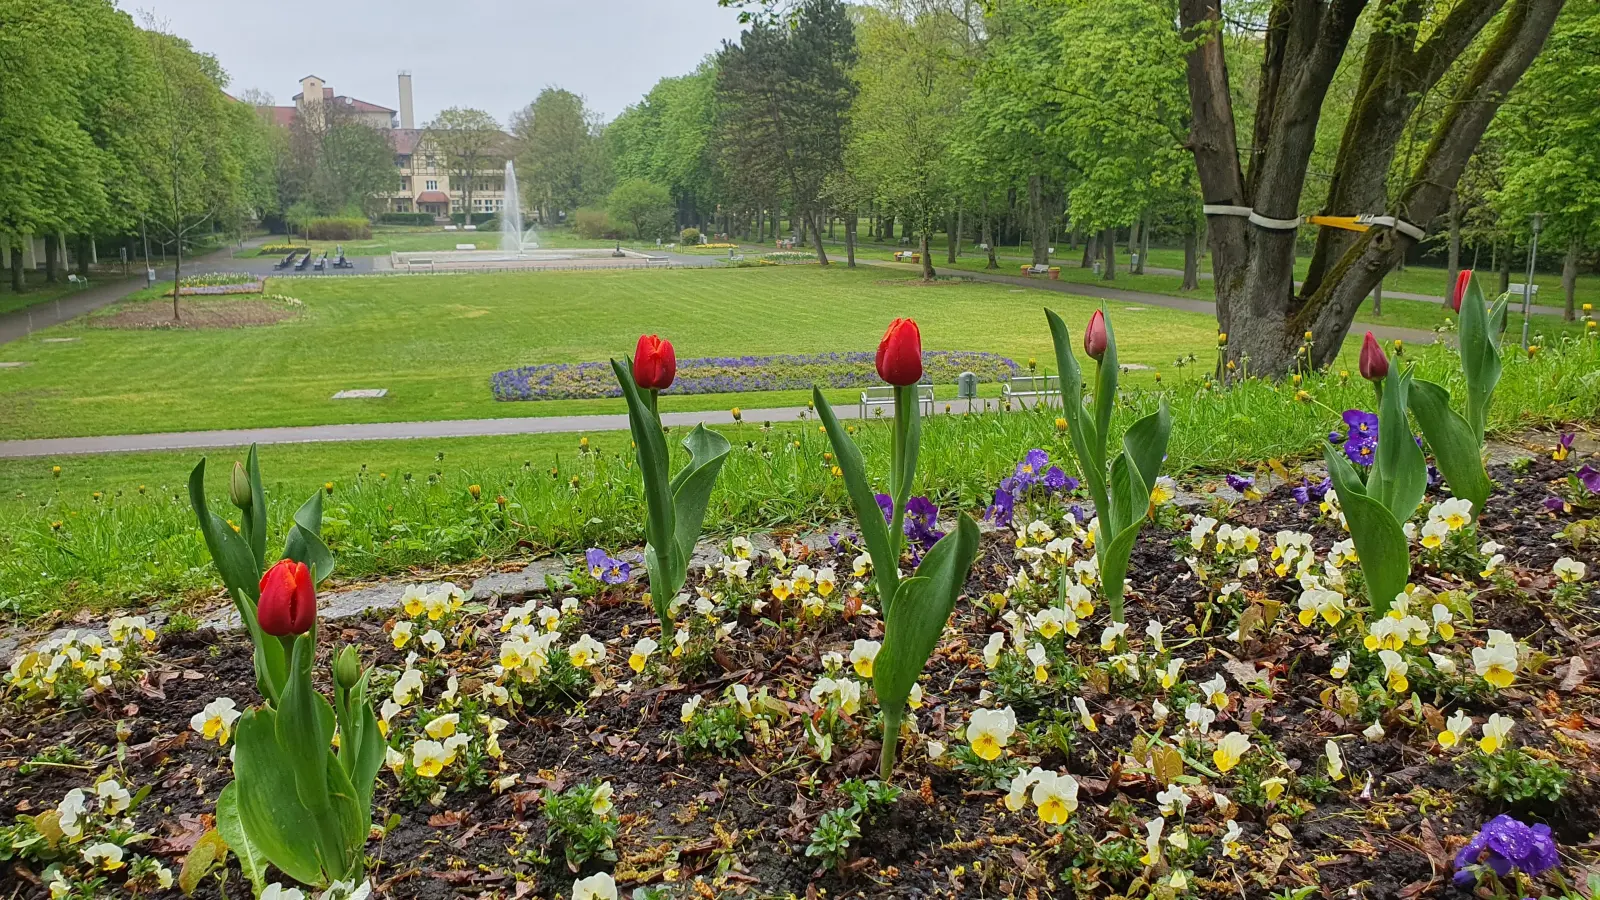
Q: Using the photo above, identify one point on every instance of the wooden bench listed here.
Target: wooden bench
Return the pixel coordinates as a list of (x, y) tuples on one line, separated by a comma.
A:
[(1053, 271), (303, 263), (466, 246), (420, 264), (1516, 290), (883, 395), (287, 261), (1041, 388), (322, 262), (910, 256)]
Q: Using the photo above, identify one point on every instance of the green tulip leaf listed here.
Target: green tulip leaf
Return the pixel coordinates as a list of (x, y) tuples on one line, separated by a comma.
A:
[(305, 540), (254, 523), (662, 555), (229, 550), (209, 852), (691, 489), (273, 819), (1480, 353), (1399, 475), (869, 516), (1454, 445), (1087, 444), (231, 826), (1381, 543)]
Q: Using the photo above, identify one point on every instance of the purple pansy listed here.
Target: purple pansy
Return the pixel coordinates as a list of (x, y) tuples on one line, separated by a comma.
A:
[(1555, 504), (1311, 490), (1505, 844), (1057, 480), (1589, 477), (1001, 510), (606, 569)]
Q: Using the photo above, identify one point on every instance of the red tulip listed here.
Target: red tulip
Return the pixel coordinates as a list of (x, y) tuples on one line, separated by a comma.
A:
[(1374, 365), (900, 353), (1462, 280), (1094, 337), (654, 363), (288, 603)]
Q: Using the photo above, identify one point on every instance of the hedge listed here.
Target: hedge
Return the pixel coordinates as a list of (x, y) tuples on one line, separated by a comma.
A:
[(402, 218), (338, 229)]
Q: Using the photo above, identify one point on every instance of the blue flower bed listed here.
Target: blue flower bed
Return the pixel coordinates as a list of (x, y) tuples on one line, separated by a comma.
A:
[(739, 374)]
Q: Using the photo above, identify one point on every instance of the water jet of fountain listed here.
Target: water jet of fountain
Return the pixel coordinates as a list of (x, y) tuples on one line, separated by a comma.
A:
[(511, 236)]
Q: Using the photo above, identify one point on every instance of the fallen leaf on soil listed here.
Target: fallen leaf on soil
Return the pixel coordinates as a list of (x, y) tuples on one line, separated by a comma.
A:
[(183, 834), (1573, 674), (1434, 849), (447, 819)]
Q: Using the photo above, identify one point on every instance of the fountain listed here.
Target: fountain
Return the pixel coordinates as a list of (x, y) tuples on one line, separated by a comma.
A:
[(512, 238), (519, 249)]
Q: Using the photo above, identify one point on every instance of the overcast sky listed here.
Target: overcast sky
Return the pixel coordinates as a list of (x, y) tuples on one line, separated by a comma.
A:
[(492, 54)]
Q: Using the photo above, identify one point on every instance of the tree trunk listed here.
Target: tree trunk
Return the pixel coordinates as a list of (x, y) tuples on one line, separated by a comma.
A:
[(1133, 244), (1454, 266), (52, 248), (830, 226), (1109, 241), (1144, 244), (1038, 231), (927, 256), (19, 281), (988, 235), (1505, 267), (950, 237), (850, 239), (1191, 258), (1377, 299), (1569, 277), (1091, 251), (816, 234), (84, 252), (961, 227), (1303, 45)]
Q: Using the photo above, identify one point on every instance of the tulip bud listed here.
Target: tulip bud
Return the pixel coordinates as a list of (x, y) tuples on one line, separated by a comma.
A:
[(239, 487), (1373, 364), (347, 668), (654, 363), (1463, 279), (288, 603), (900, 353), (1094, 337)]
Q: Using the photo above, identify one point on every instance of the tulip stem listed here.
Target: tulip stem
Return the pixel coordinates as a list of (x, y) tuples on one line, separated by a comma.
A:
[(891, 738)]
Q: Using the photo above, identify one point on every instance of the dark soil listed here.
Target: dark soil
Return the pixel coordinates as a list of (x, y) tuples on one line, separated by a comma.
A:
[(739, 826), (197, 313)]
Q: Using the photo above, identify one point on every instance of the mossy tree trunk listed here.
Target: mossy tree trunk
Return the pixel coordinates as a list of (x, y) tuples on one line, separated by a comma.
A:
[(1258, 304)]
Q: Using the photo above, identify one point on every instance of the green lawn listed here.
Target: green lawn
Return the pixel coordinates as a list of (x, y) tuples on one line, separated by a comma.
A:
[(435, 341)]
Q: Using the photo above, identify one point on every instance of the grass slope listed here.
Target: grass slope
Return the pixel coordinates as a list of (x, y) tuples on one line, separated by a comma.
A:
[(435, 341)]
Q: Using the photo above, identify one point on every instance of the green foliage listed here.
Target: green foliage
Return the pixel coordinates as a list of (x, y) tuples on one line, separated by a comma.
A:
[(644, 205), (1516, 779), (561, 161), (398, 218), (592, 224), (330, 228), (689, 236), (830, 840), (576, 828)]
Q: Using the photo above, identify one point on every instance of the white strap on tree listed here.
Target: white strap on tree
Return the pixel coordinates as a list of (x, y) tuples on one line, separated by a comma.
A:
[(1395, 222), (1217, 209), (1275, 224)]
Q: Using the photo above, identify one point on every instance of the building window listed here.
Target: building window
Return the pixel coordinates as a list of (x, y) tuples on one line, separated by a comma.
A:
[(405, 183), (432, 185)]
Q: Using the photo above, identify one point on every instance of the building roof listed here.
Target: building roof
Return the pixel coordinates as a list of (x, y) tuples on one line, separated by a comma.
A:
[(405, 140), (433, 197), (357, 105)]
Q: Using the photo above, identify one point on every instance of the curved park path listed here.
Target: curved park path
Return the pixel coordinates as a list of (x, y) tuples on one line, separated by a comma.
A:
[(382, 431)]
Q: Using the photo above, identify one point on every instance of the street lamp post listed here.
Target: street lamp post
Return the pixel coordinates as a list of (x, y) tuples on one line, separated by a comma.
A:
[(1527, 283)]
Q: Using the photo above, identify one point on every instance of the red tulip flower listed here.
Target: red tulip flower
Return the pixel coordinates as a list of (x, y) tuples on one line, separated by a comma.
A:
[(900, 353), (1094, 337), (1462, 280), (1373, 364), (654, 363), (288, 604)]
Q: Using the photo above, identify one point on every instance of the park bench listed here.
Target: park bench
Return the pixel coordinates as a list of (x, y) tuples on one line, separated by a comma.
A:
[(466, 246), (450, 228), (75, 278), (883, 395), (1516, 290), (287, 261), (322, 262), (1041, 388), (342, 262), (304, 262), (469, 228), (414, 264), (911, 256), (1053, 271)]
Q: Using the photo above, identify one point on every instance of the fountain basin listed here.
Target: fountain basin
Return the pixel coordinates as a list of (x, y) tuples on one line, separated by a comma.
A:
[(470, 260)]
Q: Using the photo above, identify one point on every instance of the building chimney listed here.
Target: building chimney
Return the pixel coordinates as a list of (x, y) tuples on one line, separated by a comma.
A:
[(406, 119)]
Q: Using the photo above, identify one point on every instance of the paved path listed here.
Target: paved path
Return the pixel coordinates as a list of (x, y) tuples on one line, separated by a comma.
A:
[(23, 322), (1136, 298), (388, 431)]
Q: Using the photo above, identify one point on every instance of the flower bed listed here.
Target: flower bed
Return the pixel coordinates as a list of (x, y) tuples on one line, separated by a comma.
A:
[(663, 770), (218, 283), (737, 374)]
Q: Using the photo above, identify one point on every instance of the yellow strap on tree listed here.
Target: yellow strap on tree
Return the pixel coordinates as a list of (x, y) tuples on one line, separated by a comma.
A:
[(1348, 223)]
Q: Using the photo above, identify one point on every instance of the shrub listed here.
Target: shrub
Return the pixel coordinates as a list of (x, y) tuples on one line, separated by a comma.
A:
[(400, 218), (338, 229), (478, 218), (690, 235), (593, 224)]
